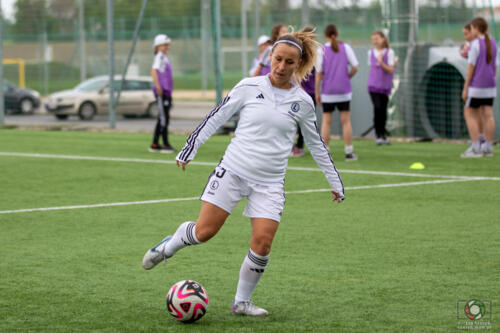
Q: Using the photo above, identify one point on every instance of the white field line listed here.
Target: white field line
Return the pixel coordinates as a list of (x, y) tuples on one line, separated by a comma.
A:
[(352, 188), (97, 205), (140, 160)]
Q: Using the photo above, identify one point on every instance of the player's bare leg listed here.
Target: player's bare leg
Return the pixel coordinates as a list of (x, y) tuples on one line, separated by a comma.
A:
[(209, 222), (326, 126), (253, 266), (345, 120), (486, 116), (471, 116)]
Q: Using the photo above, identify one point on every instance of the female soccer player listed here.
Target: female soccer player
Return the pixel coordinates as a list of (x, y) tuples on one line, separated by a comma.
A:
[(464, 52), (381, 61), (264, 67), (468, 37), (333, 76), (163, 86), (254, 164), (480, 88)]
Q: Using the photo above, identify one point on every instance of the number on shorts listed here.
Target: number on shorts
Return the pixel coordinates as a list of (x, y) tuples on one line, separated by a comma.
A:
[(220, 174)]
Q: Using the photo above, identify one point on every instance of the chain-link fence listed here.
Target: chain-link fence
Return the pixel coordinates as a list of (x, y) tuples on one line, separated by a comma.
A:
[(63, 42)]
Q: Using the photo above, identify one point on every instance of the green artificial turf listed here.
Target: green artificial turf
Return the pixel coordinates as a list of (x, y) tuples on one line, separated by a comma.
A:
[(394, 259)]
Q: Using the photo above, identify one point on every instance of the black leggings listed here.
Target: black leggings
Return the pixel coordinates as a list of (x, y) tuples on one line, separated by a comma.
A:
[(380, 102), (164, 103)]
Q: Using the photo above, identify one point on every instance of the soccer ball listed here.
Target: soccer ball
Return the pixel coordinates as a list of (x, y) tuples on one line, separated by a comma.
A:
[(464, 50), (187, 301)]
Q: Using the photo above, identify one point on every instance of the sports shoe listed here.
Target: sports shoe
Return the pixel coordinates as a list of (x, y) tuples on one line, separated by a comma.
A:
[(351, 157), (167, 149), (386, 141), (247, 308), (153, 257), (297, 152), (379, 141), (487, 152), (471, 153), (154, 148)]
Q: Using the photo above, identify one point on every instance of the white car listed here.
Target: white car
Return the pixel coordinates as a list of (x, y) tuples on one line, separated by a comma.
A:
[(91, 97)]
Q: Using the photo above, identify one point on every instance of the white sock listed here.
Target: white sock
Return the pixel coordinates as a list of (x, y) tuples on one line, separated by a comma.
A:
[(251, 270), (184, 236), (349, 149), (476, 146)]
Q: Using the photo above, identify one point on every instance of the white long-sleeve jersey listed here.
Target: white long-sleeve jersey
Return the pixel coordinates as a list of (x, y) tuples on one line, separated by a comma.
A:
[(264, 136)]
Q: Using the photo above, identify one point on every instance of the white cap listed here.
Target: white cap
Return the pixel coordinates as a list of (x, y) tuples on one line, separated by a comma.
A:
[(263, 39), (161, 39)]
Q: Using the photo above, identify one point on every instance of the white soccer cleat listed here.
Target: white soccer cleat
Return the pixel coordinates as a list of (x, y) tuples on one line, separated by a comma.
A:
[(471, 153), (247, 308), (153, 257)]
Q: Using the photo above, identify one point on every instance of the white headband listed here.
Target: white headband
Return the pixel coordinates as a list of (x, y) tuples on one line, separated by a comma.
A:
[(288, 42)]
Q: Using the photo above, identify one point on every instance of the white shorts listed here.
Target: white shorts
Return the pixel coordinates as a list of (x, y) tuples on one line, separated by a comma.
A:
[(225, 190)]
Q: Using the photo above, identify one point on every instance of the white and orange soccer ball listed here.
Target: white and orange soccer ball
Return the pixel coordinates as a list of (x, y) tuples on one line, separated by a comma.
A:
[(187, 301), (464, 50)]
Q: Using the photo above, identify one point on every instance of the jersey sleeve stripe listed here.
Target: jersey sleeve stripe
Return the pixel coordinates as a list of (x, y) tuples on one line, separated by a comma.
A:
[(187, 150), (330, 157)]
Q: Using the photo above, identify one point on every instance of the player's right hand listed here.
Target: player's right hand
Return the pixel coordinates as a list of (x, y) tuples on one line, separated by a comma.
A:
[(182, 164), (159, 91), (318, 99)]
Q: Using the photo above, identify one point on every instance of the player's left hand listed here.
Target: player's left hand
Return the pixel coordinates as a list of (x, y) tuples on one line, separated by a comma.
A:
[(380, 58), (181, 164), (337, 197), (464, 93)]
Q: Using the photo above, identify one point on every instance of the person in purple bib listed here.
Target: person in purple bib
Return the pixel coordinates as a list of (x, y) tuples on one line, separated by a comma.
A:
[(308, 85), (381, 61), (464, 52), (162, 89), (262, 43), (480, 89), (335, 66)]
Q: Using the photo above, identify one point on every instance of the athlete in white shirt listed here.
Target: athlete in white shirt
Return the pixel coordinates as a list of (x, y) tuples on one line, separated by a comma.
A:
[(271, 108)]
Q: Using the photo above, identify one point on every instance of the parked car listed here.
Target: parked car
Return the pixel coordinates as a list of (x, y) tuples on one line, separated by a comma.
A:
[(20, 100), (91, 97)]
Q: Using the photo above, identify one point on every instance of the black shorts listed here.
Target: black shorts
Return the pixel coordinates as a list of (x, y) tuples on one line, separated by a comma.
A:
[(341, 106), (478, 102)]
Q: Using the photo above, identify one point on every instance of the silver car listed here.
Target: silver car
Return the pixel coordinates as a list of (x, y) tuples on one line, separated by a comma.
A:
[(91, 97)]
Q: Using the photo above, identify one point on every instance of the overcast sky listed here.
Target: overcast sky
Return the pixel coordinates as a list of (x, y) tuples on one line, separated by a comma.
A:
[(8, 5)]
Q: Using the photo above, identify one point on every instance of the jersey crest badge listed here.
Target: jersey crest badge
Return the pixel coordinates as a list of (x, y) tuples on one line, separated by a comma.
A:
[(295, 107), (214, 185)]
